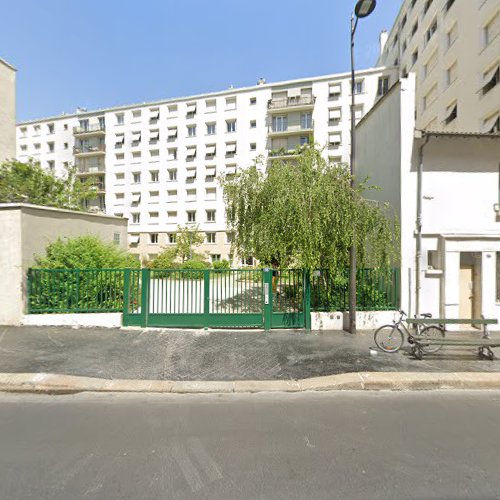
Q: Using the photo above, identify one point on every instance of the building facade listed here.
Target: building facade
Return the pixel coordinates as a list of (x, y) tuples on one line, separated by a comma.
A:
[(7, 111), (453, 47), (157, 163)]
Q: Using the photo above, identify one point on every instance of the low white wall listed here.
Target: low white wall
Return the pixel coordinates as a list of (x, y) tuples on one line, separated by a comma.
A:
[(365, 320), (105, 320)]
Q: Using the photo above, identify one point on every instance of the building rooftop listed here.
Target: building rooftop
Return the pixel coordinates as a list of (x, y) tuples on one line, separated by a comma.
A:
[(3, 61)]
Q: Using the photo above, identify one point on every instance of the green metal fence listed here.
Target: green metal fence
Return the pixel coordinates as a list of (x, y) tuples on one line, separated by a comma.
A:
[(377, 290), (75, 290)]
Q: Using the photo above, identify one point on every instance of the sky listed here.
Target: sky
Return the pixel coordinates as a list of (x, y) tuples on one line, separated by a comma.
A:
[(103, 53)]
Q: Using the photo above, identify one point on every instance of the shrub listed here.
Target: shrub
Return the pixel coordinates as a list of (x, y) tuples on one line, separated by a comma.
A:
[(196, 266), (164, 260), (221, 264)]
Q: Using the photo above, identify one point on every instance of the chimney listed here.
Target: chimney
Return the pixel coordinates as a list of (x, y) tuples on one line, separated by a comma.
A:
[(262, 81), (383, 40)]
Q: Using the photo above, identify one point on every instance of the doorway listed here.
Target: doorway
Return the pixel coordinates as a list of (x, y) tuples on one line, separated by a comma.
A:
[(470, 285)]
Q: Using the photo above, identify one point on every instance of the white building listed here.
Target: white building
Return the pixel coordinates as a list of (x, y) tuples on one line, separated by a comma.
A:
[(157, 163), (453, 47), (7, 111)]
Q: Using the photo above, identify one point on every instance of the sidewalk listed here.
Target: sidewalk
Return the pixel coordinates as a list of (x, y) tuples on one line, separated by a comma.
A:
[(173, 355)]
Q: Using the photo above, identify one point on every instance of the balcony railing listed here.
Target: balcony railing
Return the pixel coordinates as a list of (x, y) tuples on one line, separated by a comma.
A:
[(94, 169), (95, 148), (95, 127), (292, 128), (291, 102)]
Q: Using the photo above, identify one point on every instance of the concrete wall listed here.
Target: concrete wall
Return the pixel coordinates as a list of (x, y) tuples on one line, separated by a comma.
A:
[(26, 231), (365, 320), (7, 111), (104, 320)]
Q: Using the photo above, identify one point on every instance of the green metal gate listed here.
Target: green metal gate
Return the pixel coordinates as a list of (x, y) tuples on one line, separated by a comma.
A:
[(232, 298)]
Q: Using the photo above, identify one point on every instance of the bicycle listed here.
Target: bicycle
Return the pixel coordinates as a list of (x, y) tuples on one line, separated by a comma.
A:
[(390, 338)]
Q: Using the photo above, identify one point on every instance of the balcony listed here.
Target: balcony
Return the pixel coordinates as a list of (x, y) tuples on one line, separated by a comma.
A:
[(284, 154), (303, 128), (296, 103), (95, 129), (89, 150), (83, 170)]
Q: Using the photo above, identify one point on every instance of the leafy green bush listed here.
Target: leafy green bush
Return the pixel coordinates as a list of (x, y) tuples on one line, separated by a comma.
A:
[(196, 266), (221, 264), (164, 260)]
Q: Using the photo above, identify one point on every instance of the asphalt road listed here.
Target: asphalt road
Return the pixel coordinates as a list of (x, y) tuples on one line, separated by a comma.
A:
[(267, 446)]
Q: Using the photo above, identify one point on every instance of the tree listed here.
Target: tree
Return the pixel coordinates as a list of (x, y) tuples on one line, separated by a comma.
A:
[(85, 252), (186, 239), (305, 214), (30, 183)]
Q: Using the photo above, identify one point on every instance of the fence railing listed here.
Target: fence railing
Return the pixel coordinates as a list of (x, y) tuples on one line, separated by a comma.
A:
[(75, 290), (103, 290), (377, 290)]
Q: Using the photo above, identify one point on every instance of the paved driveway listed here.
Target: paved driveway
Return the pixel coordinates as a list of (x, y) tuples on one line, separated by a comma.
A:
[(214, 355)]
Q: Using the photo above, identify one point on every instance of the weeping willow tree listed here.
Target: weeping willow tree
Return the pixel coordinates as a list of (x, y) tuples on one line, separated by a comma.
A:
[(305, 214)]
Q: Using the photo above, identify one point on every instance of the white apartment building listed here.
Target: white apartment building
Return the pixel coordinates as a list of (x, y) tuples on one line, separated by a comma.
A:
[(453, 47), (157, 163), (7, 111)]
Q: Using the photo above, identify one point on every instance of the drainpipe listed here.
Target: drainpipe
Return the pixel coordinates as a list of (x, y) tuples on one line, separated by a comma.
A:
[(418, 221)]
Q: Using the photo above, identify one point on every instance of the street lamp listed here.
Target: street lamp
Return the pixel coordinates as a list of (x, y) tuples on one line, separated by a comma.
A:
[(362, 9)]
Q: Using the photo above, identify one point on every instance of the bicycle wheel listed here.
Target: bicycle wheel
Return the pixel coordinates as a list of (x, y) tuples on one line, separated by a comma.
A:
[(389, 338), (433, 332)]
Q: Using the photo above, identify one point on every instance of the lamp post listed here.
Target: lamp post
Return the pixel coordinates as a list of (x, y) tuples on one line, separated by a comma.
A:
[(362, 9)]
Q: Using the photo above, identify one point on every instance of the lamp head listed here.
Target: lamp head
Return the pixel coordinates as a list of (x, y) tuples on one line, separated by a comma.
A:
[(364, 8)]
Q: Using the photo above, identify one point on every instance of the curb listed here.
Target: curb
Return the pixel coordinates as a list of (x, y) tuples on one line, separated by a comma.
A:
[(48, 383)]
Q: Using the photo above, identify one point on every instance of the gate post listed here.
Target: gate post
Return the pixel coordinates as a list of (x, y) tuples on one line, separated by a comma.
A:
[(268, 298), (126, 296), (307, 299), (144, 296), (206, 298)]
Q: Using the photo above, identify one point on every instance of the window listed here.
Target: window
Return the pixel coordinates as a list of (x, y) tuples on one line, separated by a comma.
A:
[(335, 139), (230, 126), (210, 194), (211, 128), (136, 154), (430, 97), (414, 57), (191, 110), (306, 121), (448, 5), (119, 141), (210, 150), (37, 145), (491, 125), (211, 106), (253, 146), (430, 32), (191, 174), (172, 217), (172, 111), (383, 85), (215, 257), (172, 174), (210, 215), (172, 238), (65, 126), (230, 148), (172, 195), (50, 145), (230, 103), (120, 177), (403, 21), (279, 123), (334, 115), (451, 74), (117, 238), (172, 154), (154, 217), (396, 39), (154, 153), (154, 115), (119, 156), (36, 130), (66, 145), (451, 113), (153, 238), (51, 164), (229, 238), (427, 5), (452, 35), (119, 196), (334, 90), (154, 196), (211, 172), (191, 216), (134, 239), (136, 138), (498, 276), (210, 237), (403, 48), (491, 30), (230, 169), (303, 140), (172, 134), (23, 131), (136, 199), (24, 147), (191, 152), (84, 125), (136, 218), (491, 78), (191, 130), (50, 128), (358, 87), (430, 64), (414, 29), (120, 118), (137, 113), (253, 101), (154, 136), (358, 112), (154, 175), (191, 194), (253, 123)]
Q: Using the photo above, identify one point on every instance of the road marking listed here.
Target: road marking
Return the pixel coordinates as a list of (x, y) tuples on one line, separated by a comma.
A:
[(187, 467), (205, 461)]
